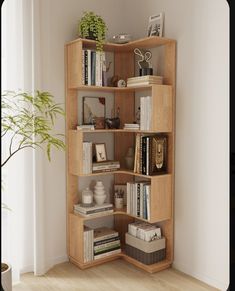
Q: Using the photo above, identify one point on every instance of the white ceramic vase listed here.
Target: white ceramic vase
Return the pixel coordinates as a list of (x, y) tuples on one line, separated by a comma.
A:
[(99, 193)]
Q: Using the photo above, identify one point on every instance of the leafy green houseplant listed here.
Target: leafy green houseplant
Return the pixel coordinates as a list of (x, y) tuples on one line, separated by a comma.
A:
[(27, 121), (92, 26)]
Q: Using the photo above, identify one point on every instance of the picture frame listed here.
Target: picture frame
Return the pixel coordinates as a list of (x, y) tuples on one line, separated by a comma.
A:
[(121, 187), (100, 152), (155, 25), (94, 111)]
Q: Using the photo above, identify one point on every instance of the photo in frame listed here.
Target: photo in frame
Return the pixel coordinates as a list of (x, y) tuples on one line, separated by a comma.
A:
[(155, 26), (100, 152), (94, 111)]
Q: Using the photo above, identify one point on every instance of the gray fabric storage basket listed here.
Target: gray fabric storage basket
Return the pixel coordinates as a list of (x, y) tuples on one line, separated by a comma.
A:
[(145, 258)]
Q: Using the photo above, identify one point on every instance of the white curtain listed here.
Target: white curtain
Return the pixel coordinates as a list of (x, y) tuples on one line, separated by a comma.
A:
[(22, 226)]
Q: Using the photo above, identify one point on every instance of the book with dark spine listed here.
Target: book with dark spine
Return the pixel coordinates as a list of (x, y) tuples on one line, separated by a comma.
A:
[(86, 66), (138, 200), (93, 67), (143, 154), (158, 154)]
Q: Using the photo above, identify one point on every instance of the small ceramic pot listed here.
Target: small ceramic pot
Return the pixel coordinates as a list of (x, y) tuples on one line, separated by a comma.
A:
[(118, 203), (99, 199)]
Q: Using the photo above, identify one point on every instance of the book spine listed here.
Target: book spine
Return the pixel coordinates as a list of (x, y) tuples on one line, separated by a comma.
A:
[(107, 254), (106, 241), (93, 67), (86, 66), (107, 236), (89, 66), (144, 203), (138, 200), (128, 197), (104, 167), (147, 155), (105, 170), (141, 201), (107, 247), (83, 67), (143, 154), (93, 214), (97, 69), (148, 201)]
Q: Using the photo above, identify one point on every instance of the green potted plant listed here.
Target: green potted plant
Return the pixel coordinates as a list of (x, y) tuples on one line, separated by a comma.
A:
[(92, 26), (27, 121)]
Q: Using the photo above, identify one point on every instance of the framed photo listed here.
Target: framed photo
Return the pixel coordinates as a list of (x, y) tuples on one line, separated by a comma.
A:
[(100, 152), (94, 111), (121, 189), (155, 26)]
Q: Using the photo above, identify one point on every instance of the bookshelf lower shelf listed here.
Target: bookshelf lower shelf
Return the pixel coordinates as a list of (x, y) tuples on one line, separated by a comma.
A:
[(148, 268)]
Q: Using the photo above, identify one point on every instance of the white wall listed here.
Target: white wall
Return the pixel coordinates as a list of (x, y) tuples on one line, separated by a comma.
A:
[(202, 130), (202, 123)]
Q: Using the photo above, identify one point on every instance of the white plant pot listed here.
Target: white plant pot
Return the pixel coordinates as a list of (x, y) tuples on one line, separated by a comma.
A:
[(6, 278)]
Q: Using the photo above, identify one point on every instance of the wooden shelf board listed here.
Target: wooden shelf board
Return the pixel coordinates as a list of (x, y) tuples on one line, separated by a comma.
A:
[(116, 89), (117, 130), (148, 268), (147, 42)]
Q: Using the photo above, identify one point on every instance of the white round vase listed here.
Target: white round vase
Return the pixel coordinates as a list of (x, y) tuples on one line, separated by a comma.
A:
[(99, 193)]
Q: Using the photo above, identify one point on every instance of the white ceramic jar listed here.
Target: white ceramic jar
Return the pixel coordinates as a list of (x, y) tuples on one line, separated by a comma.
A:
[(99, 193)]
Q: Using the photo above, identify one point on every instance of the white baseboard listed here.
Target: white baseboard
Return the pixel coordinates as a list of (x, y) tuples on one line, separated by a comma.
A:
[(222, 286), (48, 265)]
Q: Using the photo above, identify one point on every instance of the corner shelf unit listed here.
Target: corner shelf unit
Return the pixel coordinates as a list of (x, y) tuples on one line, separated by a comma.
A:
[(163, 121)]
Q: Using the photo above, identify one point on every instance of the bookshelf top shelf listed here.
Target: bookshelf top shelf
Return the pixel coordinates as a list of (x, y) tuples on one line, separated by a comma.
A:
[(147, 42), (117, 89)]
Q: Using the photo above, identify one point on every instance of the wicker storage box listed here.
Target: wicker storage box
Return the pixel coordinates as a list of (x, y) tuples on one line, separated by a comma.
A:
[(145, 252)]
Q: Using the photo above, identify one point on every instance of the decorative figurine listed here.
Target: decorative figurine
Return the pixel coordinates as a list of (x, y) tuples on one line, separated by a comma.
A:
[(99, 193), (113, 123), (145, 67)]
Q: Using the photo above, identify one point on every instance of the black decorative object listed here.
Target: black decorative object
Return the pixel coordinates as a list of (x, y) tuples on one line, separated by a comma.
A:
[(114, 122), (145, 71)]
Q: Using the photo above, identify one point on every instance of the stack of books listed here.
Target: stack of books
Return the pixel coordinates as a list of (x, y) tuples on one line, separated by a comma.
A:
[(86, 126), (93, 210), (150, 154), (138, 199), (145, 112), (92, 67), (87, 157), (105, 166), (144, 80), (106, 242), (88, 236), (144, 231), (131, 126)]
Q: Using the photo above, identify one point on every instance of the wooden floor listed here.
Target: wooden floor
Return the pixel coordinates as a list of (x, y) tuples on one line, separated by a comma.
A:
[(113, 276)]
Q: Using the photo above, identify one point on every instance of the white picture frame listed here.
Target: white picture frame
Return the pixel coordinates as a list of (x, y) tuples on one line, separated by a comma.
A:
[(155, 26)]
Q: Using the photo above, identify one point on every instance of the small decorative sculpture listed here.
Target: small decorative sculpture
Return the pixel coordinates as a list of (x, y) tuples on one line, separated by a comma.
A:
[(99, 193), (113, 123), (145, 67)]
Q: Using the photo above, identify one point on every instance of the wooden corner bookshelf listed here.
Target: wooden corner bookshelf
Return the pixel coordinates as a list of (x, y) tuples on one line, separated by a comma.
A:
[(163, 121)]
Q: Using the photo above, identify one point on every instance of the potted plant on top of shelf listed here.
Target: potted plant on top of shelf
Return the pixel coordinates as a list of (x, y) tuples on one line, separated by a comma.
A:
[(92, 26), (27, 121)]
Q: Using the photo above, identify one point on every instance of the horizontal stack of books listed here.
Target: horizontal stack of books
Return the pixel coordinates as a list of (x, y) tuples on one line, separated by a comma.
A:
[(106, 242), (88, 236), (87, 157), (131, 126), (86, 127), (150, 154), (92, 67), (144, 230), (145, 112), (144, 80), (138, 199), (93, 210), (105, 166)]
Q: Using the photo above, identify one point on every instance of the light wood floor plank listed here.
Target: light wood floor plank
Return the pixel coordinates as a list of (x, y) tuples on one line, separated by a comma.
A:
[(113, 276)]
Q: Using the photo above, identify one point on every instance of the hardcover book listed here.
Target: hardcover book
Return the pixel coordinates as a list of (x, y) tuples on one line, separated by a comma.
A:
[(157, 154)]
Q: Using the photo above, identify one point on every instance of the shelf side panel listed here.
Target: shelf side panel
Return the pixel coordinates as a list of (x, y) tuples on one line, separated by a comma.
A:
[(76, 238), (75, 152), (121, 225), (74, 67), (162, 108), (160, 199)]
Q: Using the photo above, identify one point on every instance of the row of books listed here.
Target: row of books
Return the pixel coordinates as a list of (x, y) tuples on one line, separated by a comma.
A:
[(144, 231), (150, 154), (138, 199), (92, 210), (144, 80), (100, 243), (92, 67)]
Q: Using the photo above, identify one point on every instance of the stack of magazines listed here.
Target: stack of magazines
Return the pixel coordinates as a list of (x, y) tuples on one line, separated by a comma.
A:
[(131, 126), (105, 166), (106, 242), (144, 80), (93, 210)]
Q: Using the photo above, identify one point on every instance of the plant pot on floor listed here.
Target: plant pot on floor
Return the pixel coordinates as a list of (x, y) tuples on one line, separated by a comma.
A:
[(6, 277)]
